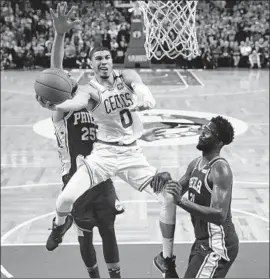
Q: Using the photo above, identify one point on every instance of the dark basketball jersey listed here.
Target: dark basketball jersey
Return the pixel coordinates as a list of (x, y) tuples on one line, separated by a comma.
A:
[(75, 134), (220, 237)]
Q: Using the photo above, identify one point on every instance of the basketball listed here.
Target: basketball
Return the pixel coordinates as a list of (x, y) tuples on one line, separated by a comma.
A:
[(54, 85)]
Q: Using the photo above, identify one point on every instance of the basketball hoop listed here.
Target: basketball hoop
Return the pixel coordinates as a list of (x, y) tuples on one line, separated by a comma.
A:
[(170, 28)]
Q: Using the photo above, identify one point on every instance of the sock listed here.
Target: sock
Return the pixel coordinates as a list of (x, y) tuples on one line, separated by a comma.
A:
[(167, 220), (167, 247), (114, 272), (60, 220), (60, 217), (167, 239), (93, 271)]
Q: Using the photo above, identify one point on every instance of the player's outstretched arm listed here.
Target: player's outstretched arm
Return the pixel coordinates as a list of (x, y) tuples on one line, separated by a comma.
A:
[(145, 97), (86, 97), (79, 101), (62, 24), (153, 134), (221, 177)]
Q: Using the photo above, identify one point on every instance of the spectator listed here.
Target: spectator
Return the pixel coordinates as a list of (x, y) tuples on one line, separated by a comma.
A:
[(69, 54), (113, 31), (83, 60), (122, 48), (106, 39), (207, 59), (254, 58), (96, 37), (114, 47), (265, 55), (225, 59), (245, 51), (26, 33), (236, 54)]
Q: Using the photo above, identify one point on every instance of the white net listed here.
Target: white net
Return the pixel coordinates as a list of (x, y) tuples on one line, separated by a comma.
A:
[(170, 28)]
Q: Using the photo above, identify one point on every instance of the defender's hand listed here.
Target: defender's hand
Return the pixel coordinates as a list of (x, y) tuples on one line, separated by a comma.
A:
[(61, 20), (159, 181)]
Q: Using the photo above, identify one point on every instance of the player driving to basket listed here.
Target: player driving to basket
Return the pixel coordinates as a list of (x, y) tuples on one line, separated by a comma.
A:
[(113, 97)]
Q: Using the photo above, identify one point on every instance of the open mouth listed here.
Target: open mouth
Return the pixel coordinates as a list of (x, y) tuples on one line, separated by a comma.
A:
[(103, 69)]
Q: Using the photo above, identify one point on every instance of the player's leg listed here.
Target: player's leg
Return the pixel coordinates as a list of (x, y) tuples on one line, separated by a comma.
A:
[(88, 253), (85, 220), (198, 255), (205, 263), (202, 266), (165, 260), (88, 175), (110, 247), (97, 207), (137, 172), (224, 266), (106, 211)]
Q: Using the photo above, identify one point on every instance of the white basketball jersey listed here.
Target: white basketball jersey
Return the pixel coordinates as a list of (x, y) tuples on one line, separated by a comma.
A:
[(115, 121)]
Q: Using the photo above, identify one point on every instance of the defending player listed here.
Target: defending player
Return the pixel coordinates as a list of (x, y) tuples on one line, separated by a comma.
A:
[(209, 180), (111, 96), (76, 133)]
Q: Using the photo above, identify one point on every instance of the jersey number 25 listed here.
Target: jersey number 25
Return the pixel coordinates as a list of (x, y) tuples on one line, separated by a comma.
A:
[(88, 133)]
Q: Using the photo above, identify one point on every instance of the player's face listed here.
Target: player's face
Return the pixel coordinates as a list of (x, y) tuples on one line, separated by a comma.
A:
[(102, 63), (208, 138), (74, 84)]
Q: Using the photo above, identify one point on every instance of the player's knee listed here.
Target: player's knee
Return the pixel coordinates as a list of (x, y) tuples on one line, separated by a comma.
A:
[(106, 230), (168, 208), (166, 199), (65, 198)]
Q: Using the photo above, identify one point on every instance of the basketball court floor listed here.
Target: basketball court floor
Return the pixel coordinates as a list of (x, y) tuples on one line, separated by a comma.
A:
[(31, 174)]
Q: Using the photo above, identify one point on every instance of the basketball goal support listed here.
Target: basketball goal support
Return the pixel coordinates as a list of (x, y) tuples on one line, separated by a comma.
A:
[(135, 56)]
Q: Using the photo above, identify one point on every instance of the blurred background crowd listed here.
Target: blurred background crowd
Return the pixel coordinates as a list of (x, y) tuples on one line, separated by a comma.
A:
[(230, 33)]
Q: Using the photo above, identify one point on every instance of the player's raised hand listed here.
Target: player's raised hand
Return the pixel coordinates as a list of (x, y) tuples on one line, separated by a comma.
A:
[(45, 104), (61, 20), (153, 134)]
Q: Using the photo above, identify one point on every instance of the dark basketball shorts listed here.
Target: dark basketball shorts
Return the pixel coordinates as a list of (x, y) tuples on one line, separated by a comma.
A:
[(205, 263), (96, 206)]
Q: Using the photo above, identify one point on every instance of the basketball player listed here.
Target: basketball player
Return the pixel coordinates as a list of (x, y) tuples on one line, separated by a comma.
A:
[(208, 180), (112, 97), (76, 133)]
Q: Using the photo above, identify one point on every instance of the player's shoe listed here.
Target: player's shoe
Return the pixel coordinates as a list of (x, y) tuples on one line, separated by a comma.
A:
[(119, 208), (166, 266), (56, 236)]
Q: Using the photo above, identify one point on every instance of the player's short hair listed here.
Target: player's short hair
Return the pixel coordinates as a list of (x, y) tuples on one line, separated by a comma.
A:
[(96, 49), (225, 129)]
